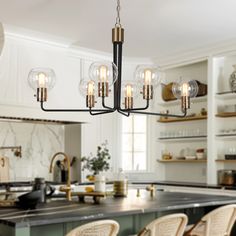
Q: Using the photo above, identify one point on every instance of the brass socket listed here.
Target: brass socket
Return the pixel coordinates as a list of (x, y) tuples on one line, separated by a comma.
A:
[(128, 102), (118, 35), (185, 103), (147, 92), (41, 94), (103, 89), (90, 101)]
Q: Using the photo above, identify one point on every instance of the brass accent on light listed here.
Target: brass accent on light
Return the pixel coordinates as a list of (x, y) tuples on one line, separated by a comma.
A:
[(129, 101), (41, 94), (67, 188), (147, 92), (90, 101), (185, 103), (103, 89), (118, 35)]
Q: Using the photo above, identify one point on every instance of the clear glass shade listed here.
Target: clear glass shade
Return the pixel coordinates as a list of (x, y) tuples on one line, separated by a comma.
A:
[(88, 87), (185, 88), (129, 89), (148, 75), (41, 78), (103, 72)]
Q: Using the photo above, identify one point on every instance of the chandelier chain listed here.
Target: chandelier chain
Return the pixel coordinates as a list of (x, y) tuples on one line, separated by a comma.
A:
[(118, 14)]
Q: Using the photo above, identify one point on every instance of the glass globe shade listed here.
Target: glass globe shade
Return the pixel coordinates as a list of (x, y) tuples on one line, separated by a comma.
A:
[(87, 87), (148, 75), (183, 88), (129, 89), (103, 72), (42, 78)]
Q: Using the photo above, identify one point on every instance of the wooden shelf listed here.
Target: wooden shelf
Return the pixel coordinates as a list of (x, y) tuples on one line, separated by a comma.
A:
[(185, 139), (226, 136), (226, 114), (188, 118), (182, 161), (223, 160), (178, 102), (226, 95)]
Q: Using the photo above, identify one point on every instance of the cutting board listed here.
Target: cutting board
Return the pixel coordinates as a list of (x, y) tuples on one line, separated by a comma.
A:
[(4, 169)]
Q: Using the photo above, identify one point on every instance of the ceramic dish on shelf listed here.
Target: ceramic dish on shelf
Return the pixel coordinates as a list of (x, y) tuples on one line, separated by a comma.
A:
[(190, 157)]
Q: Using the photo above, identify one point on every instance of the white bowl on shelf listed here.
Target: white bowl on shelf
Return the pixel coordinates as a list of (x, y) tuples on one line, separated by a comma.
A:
[(190, 157), (200, 155)]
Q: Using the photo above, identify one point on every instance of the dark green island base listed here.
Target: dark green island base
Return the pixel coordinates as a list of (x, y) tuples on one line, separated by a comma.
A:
[(56, 218)]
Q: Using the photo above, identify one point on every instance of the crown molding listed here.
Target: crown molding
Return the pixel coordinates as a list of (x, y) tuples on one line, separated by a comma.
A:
[(196, 55)]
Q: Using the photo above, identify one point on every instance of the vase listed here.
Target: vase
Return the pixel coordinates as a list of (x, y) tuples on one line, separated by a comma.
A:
[(232, 80), (100, 183)]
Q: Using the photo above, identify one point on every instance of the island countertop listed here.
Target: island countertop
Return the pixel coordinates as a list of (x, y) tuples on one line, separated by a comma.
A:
[(63, 211)]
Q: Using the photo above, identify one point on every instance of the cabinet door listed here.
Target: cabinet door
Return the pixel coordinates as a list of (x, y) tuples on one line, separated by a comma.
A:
[(9, 91)]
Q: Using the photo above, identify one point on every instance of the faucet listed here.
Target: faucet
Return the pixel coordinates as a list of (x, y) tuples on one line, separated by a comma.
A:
[(67, 188), (152, 190)]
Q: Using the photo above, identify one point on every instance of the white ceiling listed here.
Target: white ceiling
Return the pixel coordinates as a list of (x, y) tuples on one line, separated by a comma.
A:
[(153, 28)]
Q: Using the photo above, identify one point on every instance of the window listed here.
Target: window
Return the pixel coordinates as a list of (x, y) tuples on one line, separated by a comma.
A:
[(134, 143)]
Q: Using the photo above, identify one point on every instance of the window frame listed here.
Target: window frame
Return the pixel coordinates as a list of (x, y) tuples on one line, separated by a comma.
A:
[(147, 170)]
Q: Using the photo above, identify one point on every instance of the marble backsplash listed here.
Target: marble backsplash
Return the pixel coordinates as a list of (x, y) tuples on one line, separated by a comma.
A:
[(38, 141)]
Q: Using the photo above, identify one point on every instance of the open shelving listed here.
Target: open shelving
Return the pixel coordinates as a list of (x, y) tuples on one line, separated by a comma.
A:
[(226, 95), (223, 160), (185, 139), (183, 161), (183, 135), (177, 102), (226, 114), (226, 136), (188, 118)]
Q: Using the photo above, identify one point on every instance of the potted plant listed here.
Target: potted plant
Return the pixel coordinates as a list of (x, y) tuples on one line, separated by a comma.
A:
[(96, 164)]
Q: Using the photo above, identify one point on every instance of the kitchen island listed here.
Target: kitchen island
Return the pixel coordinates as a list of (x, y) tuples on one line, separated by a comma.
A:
[(57, 217)]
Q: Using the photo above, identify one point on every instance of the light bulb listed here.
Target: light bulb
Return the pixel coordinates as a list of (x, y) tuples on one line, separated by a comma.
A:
[(185, 89), (128, 90), (42, 78), (147, 77), (87, 87), (103, 73), (90, 88)]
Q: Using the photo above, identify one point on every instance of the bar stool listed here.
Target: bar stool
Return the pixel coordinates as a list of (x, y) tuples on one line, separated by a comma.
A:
[(96, 228), (218, 222), (169, 225)]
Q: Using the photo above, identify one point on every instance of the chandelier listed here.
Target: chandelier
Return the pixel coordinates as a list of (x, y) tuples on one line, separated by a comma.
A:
[(105, 77)]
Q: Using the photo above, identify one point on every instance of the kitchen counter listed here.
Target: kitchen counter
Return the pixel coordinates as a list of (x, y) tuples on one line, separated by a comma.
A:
[(186, 184), (62, 212), (168, 183)]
